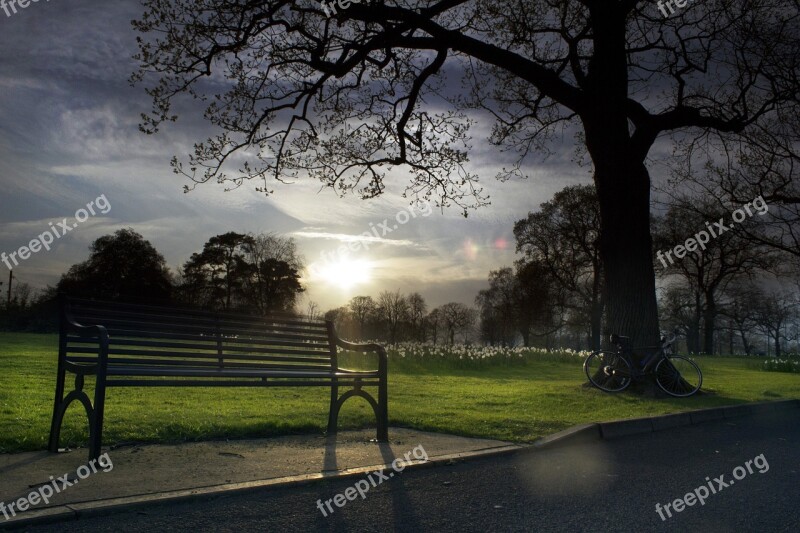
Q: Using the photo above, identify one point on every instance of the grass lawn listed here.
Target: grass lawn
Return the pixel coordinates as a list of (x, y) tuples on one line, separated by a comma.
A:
[(518, 402)]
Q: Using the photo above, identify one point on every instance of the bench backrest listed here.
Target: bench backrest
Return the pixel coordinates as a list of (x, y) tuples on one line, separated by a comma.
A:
[(191, 338)]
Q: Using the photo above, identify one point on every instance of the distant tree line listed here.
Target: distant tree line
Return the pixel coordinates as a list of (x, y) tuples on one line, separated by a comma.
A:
[(395, 317), (233, 272), (739, 293)]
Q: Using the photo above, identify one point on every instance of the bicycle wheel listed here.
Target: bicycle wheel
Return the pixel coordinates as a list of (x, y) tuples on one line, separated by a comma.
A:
[(678, 376), (608, 371)]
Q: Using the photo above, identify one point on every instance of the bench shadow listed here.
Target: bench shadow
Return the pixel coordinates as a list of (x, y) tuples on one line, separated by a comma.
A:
[(403, 516), (25, 461), (329, 456), (401, 510)]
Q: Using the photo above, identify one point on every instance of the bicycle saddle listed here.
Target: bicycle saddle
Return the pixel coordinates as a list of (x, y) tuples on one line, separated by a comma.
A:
[(618, 339)]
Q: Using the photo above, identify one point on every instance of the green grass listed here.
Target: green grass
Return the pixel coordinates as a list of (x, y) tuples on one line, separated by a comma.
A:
[(519, 402)]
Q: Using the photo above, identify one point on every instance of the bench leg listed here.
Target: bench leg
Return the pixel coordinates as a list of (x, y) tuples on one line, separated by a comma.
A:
[(333, 413), (379, 408), (96, 430), (93, 413), (383, 411), (55, 424)]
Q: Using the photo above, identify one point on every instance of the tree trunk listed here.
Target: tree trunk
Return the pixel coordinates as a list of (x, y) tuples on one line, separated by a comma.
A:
[(622, 183), (597, 320), (709, 321), (730, 340), (626, 249), (693, 334), (745, 344)]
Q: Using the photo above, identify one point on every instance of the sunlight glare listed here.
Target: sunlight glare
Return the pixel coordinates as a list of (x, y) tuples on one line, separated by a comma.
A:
[(346, 273)]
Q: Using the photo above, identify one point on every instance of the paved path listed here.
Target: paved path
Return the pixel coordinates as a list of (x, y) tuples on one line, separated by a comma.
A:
[(167, 468), (603, 486)]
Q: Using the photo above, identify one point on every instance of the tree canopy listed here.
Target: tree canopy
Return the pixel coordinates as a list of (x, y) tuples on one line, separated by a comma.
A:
[(121, 267), (564, 238), (246, 272), (293, 92)]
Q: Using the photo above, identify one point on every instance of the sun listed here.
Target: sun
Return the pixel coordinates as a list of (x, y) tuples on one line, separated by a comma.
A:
[(345, 273)]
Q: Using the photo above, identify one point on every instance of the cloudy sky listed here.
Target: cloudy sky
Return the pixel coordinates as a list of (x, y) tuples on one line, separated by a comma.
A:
[(69, 134)]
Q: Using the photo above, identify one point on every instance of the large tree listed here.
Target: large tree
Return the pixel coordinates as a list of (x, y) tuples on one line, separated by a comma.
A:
[(121, 267), (543, 306), (524, 302), (392, 309), (741, 309), (564, 237), (276, 266), (498, 308), (249, 272), (295, 92), (362, 308), (217, 276), (773, 314), (456, 317), (417, 308), (707, 268)]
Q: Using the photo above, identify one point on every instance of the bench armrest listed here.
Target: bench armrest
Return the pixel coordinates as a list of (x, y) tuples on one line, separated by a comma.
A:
[(380, 351), (91, 331)]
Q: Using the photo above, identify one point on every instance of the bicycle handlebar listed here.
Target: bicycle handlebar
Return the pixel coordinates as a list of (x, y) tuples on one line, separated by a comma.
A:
[(667, 341)]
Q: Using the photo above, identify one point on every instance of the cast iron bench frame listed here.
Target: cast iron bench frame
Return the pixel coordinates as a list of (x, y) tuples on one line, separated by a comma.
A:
[(131, 345)]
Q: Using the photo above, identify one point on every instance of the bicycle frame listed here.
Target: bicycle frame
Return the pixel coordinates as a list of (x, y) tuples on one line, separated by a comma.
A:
[(649, 362)]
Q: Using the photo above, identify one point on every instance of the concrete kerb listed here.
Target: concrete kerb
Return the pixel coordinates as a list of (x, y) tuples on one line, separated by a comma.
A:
[(670, 421), (579, 434), (622, 428), (76, 511)]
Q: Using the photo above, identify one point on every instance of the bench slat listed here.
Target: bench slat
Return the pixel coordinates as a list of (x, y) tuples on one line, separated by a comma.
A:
[(210, 328), (211, 345), (255, 368), (178, 315), (167, 372), (283, 355), (371, 382), (76, 304), (158, 362), (144, 333), (183, 324), (232, 343)]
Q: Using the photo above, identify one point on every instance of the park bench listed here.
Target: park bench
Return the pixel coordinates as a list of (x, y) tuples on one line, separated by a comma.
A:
[(126, 345)]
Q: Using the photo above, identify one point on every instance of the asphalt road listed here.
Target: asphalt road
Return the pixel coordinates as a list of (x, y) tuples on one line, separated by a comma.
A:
[(604, 486)]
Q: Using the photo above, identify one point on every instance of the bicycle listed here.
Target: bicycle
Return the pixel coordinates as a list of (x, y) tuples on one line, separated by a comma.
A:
[(614, 370)]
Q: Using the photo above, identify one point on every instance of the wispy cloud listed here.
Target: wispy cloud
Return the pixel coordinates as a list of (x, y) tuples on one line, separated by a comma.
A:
[(346, 237)]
